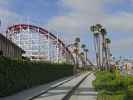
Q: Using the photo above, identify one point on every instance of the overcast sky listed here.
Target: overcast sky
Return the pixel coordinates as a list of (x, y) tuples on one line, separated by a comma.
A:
[(73, 18)]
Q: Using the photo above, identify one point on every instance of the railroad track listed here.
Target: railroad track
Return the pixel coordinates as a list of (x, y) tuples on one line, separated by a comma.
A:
[(62, 91)]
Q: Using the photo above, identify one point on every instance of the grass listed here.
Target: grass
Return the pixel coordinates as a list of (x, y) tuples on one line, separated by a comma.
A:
[(113, 86)]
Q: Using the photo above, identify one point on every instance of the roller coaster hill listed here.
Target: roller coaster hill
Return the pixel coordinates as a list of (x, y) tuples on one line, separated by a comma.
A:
[(41, 45)]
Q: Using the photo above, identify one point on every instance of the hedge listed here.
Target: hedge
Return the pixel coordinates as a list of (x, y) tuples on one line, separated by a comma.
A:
[(116, 86), (104, 95), (17, 75), (110, 82)]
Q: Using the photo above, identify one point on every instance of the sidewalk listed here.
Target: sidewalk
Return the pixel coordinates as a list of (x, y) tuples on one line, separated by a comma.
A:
[(61, 91), (27, 94), (85, 90)]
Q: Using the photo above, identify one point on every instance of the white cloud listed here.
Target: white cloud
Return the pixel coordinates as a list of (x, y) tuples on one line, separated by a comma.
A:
[(80, 16), (122, 44), (120, 22), (5, 2), (84, 5), (8, 18), (84, 13)]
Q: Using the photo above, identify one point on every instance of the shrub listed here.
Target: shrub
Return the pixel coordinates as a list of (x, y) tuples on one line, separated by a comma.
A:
[(130, 80), (16, 75), (104, 95), (130, 91), (109, 81), (103, 80), (113, 86)]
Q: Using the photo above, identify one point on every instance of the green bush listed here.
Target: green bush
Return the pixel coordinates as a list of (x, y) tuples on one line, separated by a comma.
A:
[(119, 95), (112, 86), (130, 80), (130, 91), (104, 80), (130, 88), (16, 75), (108, 81)]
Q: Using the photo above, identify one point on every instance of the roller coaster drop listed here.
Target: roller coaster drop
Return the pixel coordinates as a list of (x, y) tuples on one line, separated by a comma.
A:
[(62, 52)]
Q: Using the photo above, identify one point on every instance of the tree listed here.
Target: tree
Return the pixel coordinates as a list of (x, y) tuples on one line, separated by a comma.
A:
[(76, 50), (96, 34), (104, 49), (108, 42), (1, 53), (86, 53), (77, 40), (83, 46), (82, 57)]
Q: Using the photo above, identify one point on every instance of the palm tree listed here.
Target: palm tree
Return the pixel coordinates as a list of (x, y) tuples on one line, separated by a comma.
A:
[(98, 28), (77, 40), (104, 51), (82, 53), (86, 54), (83, 46), (82, 57), (95, 30), (108, 42), (76, 50)]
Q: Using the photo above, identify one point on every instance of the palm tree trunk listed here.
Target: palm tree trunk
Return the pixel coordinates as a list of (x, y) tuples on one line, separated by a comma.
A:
[(77, 63), (86, 57), (95, 45), (104, 54), (97, 49), (108, 54)]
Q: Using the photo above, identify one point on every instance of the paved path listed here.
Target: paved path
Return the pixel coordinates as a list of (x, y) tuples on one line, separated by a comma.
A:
[(27, 94), (85, 90), (59, 92)]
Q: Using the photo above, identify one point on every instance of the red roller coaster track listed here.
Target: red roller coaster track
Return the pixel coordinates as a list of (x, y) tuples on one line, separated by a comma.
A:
[(19, 27)]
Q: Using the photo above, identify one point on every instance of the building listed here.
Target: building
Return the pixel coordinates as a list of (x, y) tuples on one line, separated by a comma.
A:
[(9, 49)]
